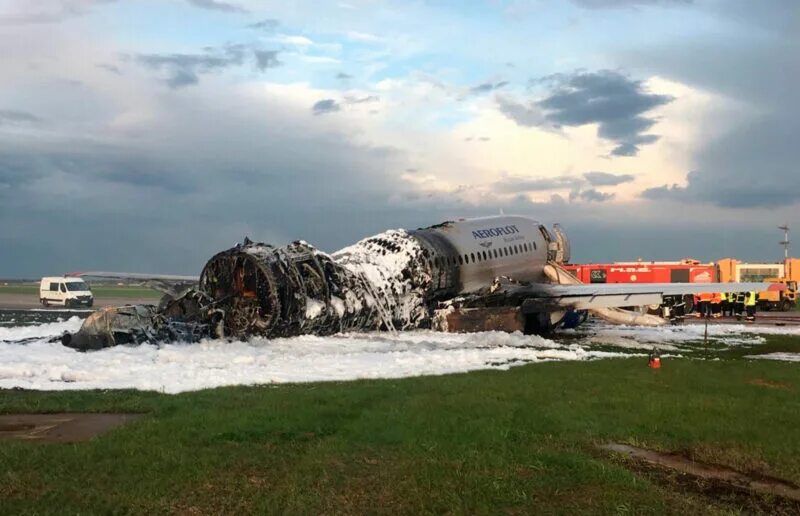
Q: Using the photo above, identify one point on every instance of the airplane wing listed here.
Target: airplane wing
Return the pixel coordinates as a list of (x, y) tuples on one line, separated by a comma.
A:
[(170, 284), (538, 296), (137, 276)]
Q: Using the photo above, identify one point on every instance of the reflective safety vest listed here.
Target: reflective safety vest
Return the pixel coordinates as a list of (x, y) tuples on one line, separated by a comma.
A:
[(726, 297), (716, 298), (740, 297), (751, 299)]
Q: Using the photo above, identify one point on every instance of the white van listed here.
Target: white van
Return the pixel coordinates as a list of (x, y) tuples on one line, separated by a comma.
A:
[(65, 291)]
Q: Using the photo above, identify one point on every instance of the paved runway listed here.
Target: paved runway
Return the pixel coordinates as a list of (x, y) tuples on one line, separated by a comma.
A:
[(28, 301)]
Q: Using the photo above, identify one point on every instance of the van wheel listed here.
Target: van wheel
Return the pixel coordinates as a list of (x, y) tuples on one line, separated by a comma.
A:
[(44, 302)]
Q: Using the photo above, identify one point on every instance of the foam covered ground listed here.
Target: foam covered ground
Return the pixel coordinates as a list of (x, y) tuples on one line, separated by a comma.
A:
[(30, 361), (172, 368)]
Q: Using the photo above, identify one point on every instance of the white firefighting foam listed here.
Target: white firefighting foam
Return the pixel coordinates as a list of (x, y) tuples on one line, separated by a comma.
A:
[(29, 361), (178, 367), (390, 264)]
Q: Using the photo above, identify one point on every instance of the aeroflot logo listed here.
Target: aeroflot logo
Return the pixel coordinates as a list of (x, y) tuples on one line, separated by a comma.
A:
[(494, 232)]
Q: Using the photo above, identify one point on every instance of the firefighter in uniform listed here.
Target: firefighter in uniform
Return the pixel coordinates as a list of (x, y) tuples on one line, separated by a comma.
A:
[(679, 308), (750, 304), (738, 305), (726, 304), (716, 304)]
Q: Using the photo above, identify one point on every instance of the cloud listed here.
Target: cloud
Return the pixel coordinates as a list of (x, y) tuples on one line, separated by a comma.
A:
[(617, 4), (298, 41), (606, 98), (592, 195), (217, 5), (363, 37), (525, 114), (606, 179), (748, 156), (487, 87), (266, 59), (362, 100), (48, 11), (580, 188), (609, 99), (515, 184), (11, 116), (324, 106), (184, 69), (343, 76), (109, 68), (267, 25), (754, 166)]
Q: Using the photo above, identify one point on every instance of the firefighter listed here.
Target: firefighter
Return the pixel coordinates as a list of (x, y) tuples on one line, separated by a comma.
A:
[(726, 304), (679, 309), (750, 304), (738, 305), (716, 304), (705, 304)]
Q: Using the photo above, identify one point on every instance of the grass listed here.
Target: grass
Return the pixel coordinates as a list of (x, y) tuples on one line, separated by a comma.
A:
[(517, 441), (99, 292)]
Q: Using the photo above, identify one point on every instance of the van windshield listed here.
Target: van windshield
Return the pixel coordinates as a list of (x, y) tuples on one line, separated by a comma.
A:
[(77, 286)]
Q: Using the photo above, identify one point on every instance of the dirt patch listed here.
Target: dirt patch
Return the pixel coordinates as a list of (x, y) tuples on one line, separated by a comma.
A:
[(723, 484), (60, 428), (761, 382)]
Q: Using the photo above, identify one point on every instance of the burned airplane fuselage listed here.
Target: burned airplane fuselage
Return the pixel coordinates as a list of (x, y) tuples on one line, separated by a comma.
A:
[(394, 280)]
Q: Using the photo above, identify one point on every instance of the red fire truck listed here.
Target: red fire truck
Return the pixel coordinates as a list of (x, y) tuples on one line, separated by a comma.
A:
[(684, 271)]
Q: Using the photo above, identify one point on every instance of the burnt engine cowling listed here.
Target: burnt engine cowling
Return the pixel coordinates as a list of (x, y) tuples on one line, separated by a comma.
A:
[(256, 289), (259, 289)]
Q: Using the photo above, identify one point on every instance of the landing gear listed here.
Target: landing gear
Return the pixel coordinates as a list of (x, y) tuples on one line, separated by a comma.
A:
[(537, 324)]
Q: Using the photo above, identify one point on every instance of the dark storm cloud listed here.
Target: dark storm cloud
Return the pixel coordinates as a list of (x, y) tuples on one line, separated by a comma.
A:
[(196, 181), (753, 166), (607, 179), (616, 4), (184, 69), (217, 5), (11, 116), (266, 59), (607, 98), (754, 161), (324, 106)]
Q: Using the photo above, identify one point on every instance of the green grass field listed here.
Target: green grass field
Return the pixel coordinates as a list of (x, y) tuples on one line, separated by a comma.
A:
[(517, 441), (99, 292)]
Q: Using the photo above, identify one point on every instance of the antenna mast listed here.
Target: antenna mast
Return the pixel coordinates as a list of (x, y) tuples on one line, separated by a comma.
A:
[(785, 242)]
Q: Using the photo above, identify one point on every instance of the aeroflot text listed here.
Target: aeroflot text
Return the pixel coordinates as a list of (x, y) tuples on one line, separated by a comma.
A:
[(493, 232)]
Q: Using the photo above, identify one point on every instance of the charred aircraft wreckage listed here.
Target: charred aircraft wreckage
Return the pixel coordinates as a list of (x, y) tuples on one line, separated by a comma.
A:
[(493, 273)]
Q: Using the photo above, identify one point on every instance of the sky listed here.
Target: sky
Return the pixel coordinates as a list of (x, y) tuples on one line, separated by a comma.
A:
[(147, 135)]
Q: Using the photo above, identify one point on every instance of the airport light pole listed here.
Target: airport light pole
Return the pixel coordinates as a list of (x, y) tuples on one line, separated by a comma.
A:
[(785, 242)]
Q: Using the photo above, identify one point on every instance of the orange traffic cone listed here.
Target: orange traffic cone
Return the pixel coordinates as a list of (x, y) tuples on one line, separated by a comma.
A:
[(655, 360)]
